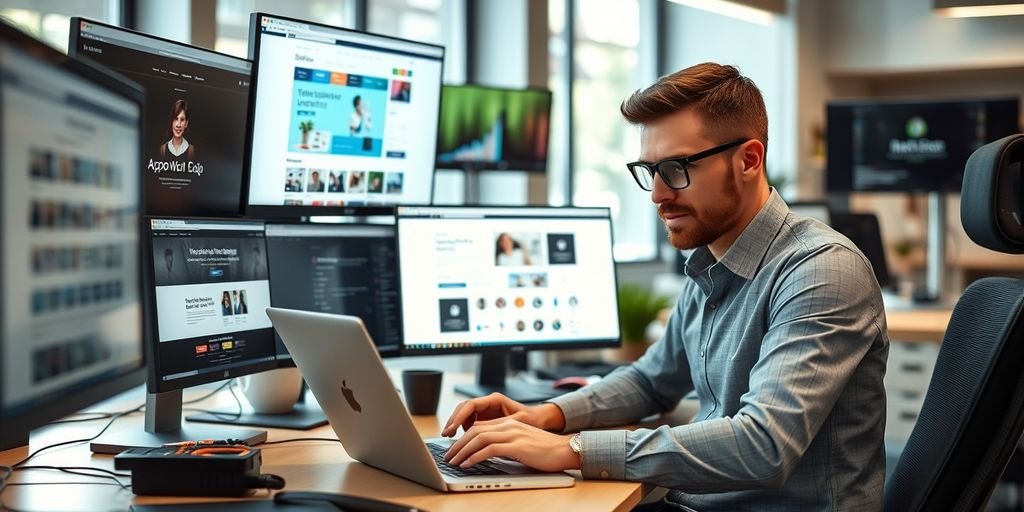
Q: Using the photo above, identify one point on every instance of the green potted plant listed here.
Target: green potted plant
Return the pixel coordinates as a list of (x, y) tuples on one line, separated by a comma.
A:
[(305, 127), (638, 307)]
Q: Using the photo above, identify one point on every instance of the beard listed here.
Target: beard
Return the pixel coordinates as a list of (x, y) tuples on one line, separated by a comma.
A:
[(710, 224)]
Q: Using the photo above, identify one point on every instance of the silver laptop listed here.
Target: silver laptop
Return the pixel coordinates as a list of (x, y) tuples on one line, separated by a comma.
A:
[(340, 364)]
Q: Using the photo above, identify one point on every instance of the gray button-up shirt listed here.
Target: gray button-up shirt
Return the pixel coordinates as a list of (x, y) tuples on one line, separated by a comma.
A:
[(784, 341)]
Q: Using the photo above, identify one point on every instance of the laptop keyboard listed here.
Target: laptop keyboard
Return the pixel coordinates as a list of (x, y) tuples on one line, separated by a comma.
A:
[(481, 469)]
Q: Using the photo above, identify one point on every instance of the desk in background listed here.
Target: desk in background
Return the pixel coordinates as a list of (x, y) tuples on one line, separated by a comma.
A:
[(316, 465)]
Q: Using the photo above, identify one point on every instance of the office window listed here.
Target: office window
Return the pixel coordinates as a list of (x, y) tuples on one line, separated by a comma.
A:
[(440, 22), (609, 63), (49, 19), (233, 18)]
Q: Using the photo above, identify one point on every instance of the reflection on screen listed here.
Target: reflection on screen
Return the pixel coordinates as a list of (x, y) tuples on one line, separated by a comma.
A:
[(71, 309)]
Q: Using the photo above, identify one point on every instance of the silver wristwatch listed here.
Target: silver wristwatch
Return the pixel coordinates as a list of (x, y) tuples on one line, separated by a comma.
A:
[(576, 444)]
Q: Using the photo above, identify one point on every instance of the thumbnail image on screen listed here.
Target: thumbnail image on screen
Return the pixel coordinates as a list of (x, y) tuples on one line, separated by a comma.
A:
[(341, 118), (196, 108), (345, 269), (490, 277), (71, 312), (490, 128), (211, 287)]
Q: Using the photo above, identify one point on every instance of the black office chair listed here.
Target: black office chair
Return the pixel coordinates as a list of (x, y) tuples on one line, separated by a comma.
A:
[(973, 414)]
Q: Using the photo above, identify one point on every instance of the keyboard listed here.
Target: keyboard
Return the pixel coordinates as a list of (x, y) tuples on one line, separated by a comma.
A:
[(482, 469)]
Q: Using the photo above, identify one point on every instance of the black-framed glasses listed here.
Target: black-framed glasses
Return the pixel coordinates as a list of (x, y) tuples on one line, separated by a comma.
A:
[(675, 172)]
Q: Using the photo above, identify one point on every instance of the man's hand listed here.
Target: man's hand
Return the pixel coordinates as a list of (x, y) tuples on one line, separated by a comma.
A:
[(496, 405), (511, 439)]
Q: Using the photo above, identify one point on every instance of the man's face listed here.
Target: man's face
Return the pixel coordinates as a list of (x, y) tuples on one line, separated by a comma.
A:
[(705, 210), (315, 177)]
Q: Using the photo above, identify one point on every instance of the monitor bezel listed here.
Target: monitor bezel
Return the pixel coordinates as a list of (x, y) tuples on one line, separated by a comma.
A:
[(74, 35), (154, 383), (488, 165), (289, 362), (514, 347), (16, 427), (271, 212)]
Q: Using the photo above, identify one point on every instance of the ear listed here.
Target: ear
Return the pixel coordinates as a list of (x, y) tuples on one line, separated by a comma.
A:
[(751, 160)]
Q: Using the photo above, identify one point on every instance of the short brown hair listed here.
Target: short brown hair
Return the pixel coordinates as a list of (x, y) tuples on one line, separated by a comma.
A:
[(730, 104)]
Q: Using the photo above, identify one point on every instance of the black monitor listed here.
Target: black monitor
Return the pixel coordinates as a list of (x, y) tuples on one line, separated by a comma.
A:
[(496, 280), (341, 121), (71, 306), (490, 128), (348, 269), (208, 286), (196, 110), (910, 146)]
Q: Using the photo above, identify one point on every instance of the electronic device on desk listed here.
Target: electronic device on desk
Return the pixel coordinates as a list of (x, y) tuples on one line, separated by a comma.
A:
[(913, 146), (71, 311), (351, 127), (197, 104), (208, 287), (495, 280), (200, 468)]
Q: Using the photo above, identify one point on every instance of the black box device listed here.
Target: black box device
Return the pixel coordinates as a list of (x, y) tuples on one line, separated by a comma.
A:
[(196, 470)]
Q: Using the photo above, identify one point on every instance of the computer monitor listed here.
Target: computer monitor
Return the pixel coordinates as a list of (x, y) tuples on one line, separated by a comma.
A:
[(341, 121), (348, 269), (71, 306), (496, 280), (209, 287), (491, 128), (910, 146), (196, 110)]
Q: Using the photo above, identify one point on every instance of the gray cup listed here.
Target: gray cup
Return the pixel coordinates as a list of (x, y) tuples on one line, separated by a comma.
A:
[(422, 389)]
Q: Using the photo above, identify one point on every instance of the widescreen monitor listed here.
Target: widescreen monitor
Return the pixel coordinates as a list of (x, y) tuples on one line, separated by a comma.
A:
[(195, 115), (208, 288), (485, 128), (71, 329), (346, 269), (495, 280), (341, 121), (910, 146)]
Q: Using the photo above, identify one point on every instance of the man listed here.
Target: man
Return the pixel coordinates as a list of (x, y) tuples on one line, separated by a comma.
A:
[(315, 185), (779, 329)]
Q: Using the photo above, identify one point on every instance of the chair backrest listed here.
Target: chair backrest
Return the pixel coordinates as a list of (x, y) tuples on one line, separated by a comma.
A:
[(973, 415)]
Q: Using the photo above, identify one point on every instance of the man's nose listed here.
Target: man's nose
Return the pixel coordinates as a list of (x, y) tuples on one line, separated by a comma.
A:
[(660, 191)]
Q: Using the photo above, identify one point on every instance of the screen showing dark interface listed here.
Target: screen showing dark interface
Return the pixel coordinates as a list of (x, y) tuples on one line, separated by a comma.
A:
[(340, 269), (195, 118)]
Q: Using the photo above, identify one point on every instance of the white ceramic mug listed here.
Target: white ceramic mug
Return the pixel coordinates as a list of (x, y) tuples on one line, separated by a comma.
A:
[(274, 391)]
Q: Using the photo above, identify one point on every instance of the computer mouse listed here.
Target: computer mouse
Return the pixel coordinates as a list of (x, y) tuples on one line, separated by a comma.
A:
[(570, 383)]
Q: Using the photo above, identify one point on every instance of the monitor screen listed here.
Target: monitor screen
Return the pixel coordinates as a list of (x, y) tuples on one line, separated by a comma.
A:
[(341, 120), (211, 288), (911, 146), (346, 269), (71, 306), (492, 278), (196, 110), (491, 128)]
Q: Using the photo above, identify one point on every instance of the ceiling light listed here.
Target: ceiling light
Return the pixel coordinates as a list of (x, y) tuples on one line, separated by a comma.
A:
[(731, 9)]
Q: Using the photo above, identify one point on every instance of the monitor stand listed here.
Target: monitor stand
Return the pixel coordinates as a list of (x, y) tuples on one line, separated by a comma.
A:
[(490, 378), (164, 425), (303, 416), (933, 291)]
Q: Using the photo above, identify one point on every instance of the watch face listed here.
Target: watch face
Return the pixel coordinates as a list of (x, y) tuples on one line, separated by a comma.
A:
[(574, 443)]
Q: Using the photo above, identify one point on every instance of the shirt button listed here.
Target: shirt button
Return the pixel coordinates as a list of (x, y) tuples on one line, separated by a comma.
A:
[(604, 473), (712, 306), (702, 354)]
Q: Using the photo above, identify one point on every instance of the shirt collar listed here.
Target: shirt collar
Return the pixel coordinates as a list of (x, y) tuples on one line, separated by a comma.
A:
[(744, 256)]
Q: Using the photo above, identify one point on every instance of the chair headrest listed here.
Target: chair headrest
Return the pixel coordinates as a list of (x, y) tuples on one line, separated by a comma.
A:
[(992, 195)]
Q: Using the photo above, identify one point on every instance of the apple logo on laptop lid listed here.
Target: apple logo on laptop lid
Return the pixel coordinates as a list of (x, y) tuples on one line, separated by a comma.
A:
[(350, 397)]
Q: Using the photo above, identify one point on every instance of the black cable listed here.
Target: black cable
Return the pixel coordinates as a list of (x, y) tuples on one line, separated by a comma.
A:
[(80, 470), (264, 443), (73, 470)]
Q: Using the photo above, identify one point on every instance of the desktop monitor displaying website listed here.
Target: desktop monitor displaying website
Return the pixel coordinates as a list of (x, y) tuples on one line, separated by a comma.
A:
[(340, 118), (490, 277), (346, 269), (211, 290), (197, 105), (71, 313)]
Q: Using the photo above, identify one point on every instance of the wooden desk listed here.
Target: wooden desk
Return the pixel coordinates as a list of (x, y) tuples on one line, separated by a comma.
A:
[(319, 465), (918, 325)]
